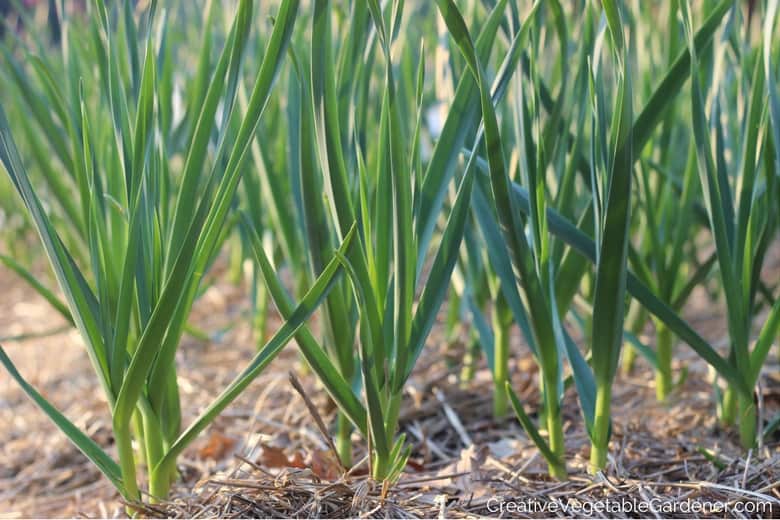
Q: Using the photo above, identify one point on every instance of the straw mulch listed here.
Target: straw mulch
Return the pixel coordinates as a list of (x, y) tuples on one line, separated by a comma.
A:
[(267, 457)]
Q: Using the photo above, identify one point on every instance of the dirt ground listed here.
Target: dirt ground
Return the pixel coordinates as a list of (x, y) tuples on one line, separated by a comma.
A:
[(265, 456)]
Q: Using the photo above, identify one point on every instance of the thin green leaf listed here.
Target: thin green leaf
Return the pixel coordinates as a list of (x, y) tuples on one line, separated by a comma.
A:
[(87, 446)]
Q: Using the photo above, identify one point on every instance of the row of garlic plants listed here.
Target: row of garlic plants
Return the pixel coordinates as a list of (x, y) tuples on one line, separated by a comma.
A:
[(523, 163)]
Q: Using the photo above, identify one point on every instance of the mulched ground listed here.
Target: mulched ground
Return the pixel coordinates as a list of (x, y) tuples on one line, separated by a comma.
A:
[(266, 457)]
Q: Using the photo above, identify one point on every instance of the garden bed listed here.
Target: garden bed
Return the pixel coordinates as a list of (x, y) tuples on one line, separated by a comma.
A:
[(266, 457)]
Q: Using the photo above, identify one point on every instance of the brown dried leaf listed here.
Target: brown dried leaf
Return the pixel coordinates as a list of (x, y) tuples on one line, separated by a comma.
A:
[(274, 457), (297, 461), (217, 447), (325, 465)]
